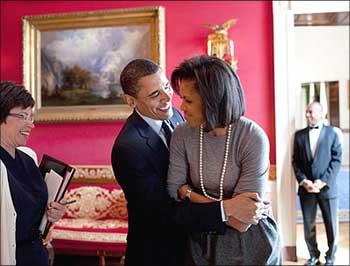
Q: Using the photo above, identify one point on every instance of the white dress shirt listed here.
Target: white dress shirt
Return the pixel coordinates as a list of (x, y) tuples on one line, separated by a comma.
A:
[(314, 134)]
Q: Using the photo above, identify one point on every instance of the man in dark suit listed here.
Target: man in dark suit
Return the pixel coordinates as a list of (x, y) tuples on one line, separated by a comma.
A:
[(140, 157), (316, 162)]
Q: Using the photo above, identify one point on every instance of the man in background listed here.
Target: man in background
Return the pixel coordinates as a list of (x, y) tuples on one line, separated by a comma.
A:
[(316, 163), (140, 157)]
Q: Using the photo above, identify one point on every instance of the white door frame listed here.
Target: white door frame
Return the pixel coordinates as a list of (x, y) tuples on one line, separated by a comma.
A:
[(285, 116)]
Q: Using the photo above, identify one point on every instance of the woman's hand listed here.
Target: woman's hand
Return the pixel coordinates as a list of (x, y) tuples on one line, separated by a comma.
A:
[(247, 207), (56, 210), (183, 191)]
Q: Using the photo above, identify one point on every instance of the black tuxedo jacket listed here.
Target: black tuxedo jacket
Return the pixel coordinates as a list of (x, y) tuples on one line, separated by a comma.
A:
[(157, 224), (326, 163)]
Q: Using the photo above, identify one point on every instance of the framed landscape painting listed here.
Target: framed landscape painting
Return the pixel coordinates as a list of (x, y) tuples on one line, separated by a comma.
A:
[(72, 62)]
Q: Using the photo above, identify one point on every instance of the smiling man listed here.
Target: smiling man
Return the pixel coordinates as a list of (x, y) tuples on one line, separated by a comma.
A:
[(157, 224), (316, 162)]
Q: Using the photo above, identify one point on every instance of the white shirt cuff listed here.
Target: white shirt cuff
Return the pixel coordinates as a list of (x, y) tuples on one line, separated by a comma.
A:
[(223, 214)]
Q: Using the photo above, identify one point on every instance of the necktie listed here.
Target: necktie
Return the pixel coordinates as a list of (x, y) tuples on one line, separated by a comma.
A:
[(167, 132), (314, 127)]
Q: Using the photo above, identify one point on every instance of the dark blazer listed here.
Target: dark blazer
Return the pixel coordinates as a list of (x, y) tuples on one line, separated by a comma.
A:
[(324, 166), (157, 224)]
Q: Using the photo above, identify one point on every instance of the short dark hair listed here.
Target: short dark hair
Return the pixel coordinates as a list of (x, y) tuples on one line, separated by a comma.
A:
[(13, 95), (133, 72), (218, 85)]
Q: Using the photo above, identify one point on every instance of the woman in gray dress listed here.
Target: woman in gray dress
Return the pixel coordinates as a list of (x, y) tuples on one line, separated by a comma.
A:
[(217, 154)]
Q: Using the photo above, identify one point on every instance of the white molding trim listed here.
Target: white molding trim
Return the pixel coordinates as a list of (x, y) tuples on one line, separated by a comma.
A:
[(283, 26), (302, 7)]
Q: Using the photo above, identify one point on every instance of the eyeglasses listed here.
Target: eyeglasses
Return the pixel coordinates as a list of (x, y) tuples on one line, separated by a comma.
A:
[(28, 118)]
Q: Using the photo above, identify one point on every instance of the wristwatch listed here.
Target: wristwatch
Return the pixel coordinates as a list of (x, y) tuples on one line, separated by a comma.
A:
[(188, 193)]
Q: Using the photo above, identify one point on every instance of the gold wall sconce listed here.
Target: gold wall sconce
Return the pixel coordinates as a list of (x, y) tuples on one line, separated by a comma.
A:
[(220, 45)]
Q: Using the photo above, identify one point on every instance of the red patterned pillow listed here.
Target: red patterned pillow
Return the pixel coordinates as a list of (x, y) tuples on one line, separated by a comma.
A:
[(96, 202)]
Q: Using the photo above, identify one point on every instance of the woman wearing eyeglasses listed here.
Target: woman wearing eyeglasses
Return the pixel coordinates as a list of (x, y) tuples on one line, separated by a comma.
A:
[(23, 192)]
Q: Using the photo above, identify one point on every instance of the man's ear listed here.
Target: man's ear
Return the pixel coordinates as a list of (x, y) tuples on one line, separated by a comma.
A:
[(130, 100)]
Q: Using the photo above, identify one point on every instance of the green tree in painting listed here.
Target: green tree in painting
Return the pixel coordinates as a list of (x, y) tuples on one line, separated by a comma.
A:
[(76, 78), (67, 78)]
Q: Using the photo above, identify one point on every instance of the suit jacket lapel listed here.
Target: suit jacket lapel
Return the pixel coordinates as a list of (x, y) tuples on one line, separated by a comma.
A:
[(154, 143), (307, 145)]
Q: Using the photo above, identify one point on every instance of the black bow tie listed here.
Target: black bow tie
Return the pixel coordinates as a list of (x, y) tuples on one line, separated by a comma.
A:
[(314, 127)]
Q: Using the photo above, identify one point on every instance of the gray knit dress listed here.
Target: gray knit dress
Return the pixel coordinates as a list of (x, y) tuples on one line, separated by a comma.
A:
[(247, 170)]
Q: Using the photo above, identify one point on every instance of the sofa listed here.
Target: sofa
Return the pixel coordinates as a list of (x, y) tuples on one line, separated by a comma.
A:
[(96, 224)]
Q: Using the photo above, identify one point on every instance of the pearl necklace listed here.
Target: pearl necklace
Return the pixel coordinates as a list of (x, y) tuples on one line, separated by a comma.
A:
[(201, 180)]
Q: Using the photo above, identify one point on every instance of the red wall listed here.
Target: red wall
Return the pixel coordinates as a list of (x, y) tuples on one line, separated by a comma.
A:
[(90, 143)]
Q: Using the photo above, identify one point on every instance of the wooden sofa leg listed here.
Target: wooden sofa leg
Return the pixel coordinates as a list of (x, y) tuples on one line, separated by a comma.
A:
[(102, 259), (122, 260)]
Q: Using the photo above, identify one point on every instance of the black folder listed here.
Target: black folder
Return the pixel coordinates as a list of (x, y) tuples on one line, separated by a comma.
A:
[(47, 163), (66, 171)]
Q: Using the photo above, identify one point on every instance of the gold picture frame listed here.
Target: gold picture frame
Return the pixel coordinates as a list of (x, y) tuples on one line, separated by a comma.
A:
[(72, 61)]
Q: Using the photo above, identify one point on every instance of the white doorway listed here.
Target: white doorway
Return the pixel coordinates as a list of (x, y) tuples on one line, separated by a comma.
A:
[(287, 104)]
